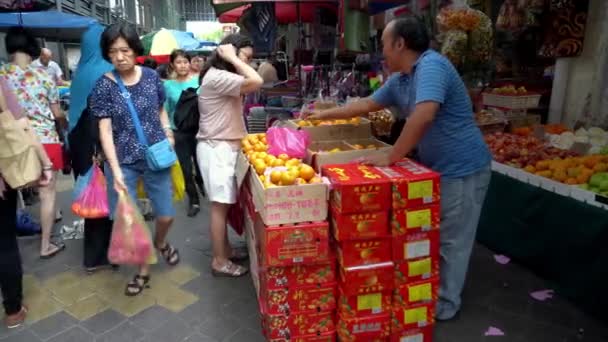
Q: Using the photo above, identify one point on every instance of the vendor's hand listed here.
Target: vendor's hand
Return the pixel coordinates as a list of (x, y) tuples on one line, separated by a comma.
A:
[(314, 115), (45, 178), (375, 160), (227, 52)]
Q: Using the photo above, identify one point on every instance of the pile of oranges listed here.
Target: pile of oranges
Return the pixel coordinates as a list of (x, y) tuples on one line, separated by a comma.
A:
[(308, 123), (278, 170)]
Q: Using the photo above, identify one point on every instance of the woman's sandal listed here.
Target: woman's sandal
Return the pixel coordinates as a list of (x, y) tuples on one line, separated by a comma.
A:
[(170, 254), (137, 285), (229, 270)]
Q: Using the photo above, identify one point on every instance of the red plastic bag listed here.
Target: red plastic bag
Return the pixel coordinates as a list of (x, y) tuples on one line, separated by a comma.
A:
[(289, 141), (92, 202), (131, 243)]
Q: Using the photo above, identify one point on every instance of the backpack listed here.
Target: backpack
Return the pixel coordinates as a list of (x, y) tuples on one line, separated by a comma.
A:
[(186, 116)]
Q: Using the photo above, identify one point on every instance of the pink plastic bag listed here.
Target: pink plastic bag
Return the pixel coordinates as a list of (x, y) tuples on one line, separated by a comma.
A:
[(289, 141), (92, 202), (131, 243)]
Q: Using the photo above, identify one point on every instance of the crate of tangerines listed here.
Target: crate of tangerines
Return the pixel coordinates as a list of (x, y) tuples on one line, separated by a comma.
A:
[(284, 190)]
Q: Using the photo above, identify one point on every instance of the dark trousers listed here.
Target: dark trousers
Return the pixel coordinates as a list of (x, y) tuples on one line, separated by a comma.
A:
[(11, 273), (185, 148)]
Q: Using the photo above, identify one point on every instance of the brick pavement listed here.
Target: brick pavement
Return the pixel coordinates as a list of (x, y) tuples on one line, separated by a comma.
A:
[(186, 303)]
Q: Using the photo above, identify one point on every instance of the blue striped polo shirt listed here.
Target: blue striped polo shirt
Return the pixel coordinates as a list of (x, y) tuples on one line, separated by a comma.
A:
[(453, 145)]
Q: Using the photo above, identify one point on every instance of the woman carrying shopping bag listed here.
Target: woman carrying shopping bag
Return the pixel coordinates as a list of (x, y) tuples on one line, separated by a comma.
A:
[(136, 137)]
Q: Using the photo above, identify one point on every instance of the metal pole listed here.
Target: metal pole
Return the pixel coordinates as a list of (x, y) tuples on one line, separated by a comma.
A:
[(300, 48)]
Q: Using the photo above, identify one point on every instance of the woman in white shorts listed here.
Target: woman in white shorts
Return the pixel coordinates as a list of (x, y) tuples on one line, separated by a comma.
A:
[(225, 78)]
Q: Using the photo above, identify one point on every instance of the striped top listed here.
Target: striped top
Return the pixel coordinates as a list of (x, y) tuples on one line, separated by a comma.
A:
[(453, 145)]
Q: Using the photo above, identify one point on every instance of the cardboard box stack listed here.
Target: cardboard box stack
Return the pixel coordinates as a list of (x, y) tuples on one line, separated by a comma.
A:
[(415, 249), (386, 225), (292, 265), (359, 215)]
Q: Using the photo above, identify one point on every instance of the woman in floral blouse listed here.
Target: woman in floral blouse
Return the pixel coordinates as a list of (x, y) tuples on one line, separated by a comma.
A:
[(39, 98)]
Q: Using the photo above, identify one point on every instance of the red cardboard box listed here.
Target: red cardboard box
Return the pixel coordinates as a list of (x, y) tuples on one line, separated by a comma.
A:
[(424, 291), (364, 329), (413, 184), (292, 244), (298, 275), (424, 218), (424, 334), (358, 188), (416, 245), (415, 270), (359, 226), (364, 252), (412, 316), (312, 297), (368, 304), (297, 324), (364, 279), (325, 337)]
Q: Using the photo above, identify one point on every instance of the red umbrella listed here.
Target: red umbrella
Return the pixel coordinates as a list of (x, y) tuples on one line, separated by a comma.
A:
[(286, 12)]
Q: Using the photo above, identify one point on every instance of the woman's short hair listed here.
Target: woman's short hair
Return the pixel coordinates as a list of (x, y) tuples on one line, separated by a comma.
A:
[(124, 31), (179, 53), (18, 39)]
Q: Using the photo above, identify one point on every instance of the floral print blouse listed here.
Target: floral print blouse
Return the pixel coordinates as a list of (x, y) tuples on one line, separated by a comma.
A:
[(36, 91)]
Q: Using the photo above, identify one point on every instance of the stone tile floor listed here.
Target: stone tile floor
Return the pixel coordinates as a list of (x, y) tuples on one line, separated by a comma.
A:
[(187, 304)]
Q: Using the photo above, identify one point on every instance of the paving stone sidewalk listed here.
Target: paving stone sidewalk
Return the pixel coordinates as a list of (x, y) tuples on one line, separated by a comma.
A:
[(186, 303)]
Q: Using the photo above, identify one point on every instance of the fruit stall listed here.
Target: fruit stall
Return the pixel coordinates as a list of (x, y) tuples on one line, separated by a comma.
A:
[(547, 207), (340, 251)]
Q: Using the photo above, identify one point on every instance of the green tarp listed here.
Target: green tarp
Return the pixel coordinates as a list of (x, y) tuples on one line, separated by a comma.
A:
[(559, 238)]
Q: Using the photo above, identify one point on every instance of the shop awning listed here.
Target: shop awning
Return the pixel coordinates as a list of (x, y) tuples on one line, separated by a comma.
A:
[(223, 6), (285, 12), (48, 24)]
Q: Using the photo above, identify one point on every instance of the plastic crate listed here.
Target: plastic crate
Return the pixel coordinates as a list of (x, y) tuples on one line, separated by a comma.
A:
[(511, 101)]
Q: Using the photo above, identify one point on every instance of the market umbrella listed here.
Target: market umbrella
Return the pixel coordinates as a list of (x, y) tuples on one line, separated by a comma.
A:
[(48, 24), (163, 42)]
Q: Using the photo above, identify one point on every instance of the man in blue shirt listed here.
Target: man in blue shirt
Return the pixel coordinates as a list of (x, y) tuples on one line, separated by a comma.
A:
[(440, 124)]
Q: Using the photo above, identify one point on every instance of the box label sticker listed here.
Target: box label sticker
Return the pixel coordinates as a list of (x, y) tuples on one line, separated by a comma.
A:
[(421, 189), (413, 338), (369, 302), (418, 218), (418, 249), (417, 315), (420, 292), (420, 267)]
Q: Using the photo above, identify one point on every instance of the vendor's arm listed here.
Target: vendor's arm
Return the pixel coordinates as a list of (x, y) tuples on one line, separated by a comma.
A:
[(354, 109), (382, 98)]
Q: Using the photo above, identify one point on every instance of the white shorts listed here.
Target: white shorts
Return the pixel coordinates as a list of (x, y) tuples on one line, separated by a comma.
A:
[(217, 161)]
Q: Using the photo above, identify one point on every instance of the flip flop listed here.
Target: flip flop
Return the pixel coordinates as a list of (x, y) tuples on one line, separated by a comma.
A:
[(52, 254)]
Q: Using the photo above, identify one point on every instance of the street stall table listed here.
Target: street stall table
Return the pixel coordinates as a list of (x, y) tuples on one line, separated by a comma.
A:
[(560, 232)]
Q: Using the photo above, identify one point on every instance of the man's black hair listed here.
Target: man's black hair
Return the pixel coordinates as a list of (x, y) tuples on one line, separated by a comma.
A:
[(239, 41), (19, 39), (413, 32), (124, 31)]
